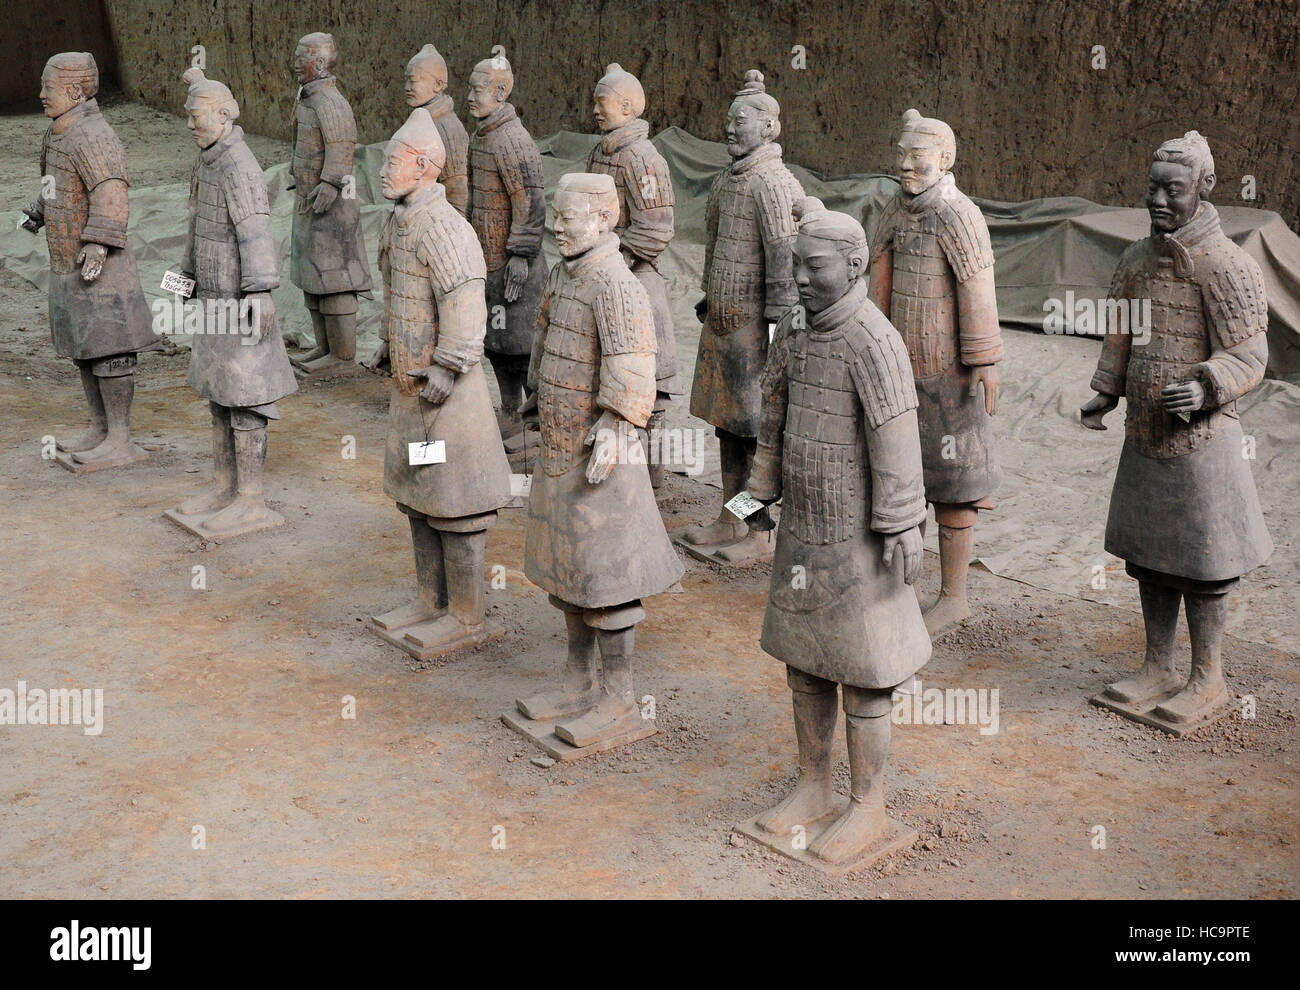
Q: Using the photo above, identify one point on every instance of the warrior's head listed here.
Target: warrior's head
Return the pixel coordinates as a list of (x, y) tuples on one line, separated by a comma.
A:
[(926, 152), (315, 57), (619, 98), (1182, 175), (426, 76), (830, 254), (69, 79), (413, 158), (754, 118), (490, 85), (586, 206), (210, 108)]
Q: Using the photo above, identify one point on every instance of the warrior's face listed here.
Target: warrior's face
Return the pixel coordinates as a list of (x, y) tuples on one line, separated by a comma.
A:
[(405, 170), (308, 64), (610, 109), (578, 224), (922, 161), (58, 95), (206, 120), (822, 271), (748, 129), (1173, 195), (486, 93), (422, 84)]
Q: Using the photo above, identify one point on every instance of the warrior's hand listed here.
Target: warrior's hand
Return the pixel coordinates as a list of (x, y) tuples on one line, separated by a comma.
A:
[(516, 276), (988, 374), (261, 314), (702, 309), (439, 382), (1092, 411), (35, 219), (908, 543), (323, 197), (604, 455), (1183, 397), (380, 357), (91, 260)]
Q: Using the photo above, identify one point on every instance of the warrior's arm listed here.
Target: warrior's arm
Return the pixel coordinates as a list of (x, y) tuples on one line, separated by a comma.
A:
[(187, 259), (1236, 310), (249, 209), (520, 168), (338, 130), (710, 233), (462, 325), (1232, 371), (774, 385), (540, 327), (977, 319), (880, 283), (457, 187), (626, 328), (386, 273), (774, 201), (106, 223), (649, 209)]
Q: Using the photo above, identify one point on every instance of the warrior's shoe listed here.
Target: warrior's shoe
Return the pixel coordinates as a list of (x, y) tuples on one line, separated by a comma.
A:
[(244, 513), (722, 532), (550, 705), (946, 612), (811, 799), (755, 545), (446, 633), (614, 716), (1199, 698), (408, 615), (861, 824), (1152, 681), (90, 439), (218, 498)]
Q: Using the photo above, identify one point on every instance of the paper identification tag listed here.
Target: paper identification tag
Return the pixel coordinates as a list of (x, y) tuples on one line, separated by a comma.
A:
[(179, 284), (521, 484), (22, 219), (744, 505), (427, 452)]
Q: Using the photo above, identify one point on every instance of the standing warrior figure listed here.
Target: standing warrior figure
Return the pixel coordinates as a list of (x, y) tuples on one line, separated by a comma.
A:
[(508, 211), (839, 445), (98, 316), (230, 254), (1184, 515), (747, 287), (645, 220), (327, 259), (595, 541), (434, 320), (932, 275), (425, 86)]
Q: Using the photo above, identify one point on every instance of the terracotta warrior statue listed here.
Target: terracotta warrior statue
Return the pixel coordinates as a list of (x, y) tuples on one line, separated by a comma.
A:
[(747, 288), (435, 319), (838, 443), (230, 254), (595, 541), (645, 220), (508, 211), (327, 259), (98, 316), (1184, 515), (932, 275), (426, 86)]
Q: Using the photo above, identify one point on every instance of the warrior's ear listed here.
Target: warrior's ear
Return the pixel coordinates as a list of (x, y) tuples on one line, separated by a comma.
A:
[(946, 159), (1207, 184), (857, 262)]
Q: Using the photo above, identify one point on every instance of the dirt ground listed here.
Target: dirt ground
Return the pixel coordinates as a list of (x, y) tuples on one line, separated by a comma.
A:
[(223, 707)]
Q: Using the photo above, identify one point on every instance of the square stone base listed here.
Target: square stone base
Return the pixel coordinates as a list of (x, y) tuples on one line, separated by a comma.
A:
[(763, 552), (1145, 712), (136, 455), (897, 837), (543, 734), (490, 633), (195, 524)]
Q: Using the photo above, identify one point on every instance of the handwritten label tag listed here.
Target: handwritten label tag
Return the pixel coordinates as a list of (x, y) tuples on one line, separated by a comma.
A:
[(427, 452), (521, 484), (744, 505), (178, 283)]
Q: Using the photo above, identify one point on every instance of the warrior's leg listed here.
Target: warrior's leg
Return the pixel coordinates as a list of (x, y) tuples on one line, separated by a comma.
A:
[(463, 555), (737, 455), (339, 313), (816, 710), (98, 422), (318, 330), (248, 429), (430, 577), (1207, 614), (1156, 676), (511, 375), (616, 712), (116, 388), (223, 461), (956, 543), (867, 730), (581, 689)]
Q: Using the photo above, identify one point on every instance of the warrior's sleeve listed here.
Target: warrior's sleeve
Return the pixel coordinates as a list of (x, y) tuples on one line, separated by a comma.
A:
[(775, 195), (100, 160), (187, 258), (542, 324), (250, 212), (774, 387), (455, 172), (964, 237), (457, 273), (1236, 310), (880, 281), (626, 327), (38, 204), (338, 129), (385, 240), (882, 375), (520, 168), (649, 205), (710, 229), (1111, 376)]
